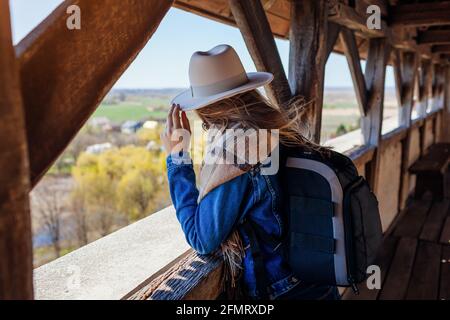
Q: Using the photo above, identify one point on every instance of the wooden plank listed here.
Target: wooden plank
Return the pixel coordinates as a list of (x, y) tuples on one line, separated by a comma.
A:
[(435, 221), (255, 29), (396, 283), (193, 277), (348, 17), (445, 235), (16, 262), (421, 14), (383, 260), (307, 57), (424, 282), (66, 73), (444, 289), (434, 37), (412, 221), (351, 53)]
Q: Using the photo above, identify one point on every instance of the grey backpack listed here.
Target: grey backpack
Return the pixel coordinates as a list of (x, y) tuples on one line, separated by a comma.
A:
[(334, 227)]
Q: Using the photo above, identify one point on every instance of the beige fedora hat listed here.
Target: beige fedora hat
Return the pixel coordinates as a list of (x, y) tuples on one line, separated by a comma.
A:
[(215, 75)]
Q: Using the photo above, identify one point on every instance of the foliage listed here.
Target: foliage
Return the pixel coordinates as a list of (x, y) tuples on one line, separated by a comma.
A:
[(122, 181)]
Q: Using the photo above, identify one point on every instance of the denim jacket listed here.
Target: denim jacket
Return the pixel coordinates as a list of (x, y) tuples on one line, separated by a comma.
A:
[(207, 224)]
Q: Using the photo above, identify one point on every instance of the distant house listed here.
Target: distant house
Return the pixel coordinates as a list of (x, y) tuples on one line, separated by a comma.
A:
[(102, 123), (98, 148), (131, 127), (150, 124), (153, 146)]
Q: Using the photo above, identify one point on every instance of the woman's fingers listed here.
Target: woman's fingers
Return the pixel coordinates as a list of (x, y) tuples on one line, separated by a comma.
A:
[(176, 117), (169, 123), (185, 121)]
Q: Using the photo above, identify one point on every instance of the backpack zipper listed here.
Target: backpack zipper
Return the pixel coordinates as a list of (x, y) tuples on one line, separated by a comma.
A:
[(349, 235)]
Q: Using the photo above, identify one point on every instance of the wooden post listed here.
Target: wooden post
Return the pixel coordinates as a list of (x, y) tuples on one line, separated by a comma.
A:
[(445, 129), (16, 253), (351, 52), (371, 123), (424, 86), (66, 73), (252, 22), (307, 57), (406, 68), (438, 86)]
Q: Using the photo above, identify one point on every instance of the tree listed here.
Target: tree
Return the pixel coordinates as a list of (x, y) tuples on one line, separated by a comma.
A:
[(80, 218), (49, 206), (122, 183)]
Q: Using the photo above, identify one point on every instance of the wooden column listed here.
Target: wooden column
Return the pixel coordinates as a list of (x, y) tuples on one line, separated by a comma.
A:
[(424, 77), (307, 57), (405, 68), (16, 254), (438, 86), (351, 52), (445, 130), (66, 73), (252, 22), (375, 74), (408, 68)]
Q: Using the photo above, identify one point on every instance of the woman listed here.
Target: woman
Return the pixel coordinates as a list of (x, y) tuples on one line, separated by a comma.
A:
[(236, 209)]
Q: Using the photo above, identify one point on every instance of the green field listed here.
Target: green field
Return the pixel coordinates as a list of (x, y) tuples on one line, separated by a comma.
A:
[(137, 108), (133, 110)]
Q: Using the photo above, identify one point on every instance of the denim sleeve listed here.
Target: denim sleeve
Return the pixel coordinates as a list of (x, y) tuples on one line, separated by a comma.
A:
[(208, 224)]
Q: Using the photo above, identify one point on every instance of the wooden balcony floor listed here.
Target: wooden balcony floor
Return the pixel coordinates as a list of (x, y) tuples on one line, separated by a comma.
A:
[(415, 255)]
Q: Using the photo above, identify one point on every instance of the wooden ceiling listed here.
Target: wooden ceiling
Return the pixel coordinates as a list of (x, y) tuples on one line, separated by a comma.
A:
[(411, 25)]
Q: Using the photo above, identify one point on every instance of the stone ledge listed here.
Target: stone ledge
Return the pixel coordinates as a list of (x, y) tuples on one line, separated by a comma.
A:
[(113, 266)]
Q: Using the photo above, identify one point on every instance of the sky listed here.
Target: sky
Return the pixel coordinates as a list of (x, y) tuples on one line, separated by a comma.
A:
[(164, 61)]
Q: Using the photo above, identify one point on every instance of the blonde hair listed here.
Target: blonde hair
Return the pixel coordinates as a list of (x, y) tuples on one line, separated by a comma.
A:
[(252, 110)]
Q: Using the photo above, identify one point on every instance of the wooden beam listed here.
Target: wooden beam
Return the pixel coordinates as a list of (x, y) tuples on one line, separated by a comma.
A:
[(66, 73), (443, 48), (354, 63), (307, 57), (406, 68), (408, 65), (371, 123), (332, 36), (348, 17), (374, 82), (361, 6), (445, 128), (437, 86), (218, 10), (424, 77), (16, 252), (255, 29), (421, 14), (434, 37)]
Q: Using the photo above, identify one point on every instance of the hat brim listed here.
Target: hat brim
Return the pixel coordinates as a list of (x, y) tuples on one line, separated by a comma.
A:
[(188, 103)]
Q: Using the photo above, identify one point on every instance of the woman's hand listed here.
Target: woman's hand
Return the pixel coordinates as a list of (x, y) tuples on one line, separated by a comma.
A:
[(177, 134)]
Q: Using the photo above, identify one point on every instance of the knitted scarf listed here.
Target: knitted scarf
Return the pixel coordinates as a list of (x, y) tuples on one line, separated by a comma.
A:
[(217, 169)]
